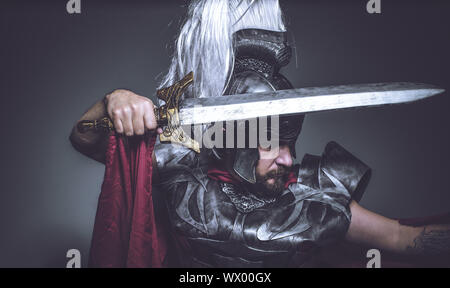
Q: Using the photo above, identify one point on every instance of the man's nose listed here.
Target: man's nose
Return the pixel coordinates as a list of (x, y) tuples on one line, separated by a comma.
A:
[(284, 156)]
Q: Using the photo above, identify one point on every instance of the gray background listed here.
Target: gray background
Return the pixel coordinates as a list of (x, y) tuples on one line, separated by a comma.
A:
[(55, 65)]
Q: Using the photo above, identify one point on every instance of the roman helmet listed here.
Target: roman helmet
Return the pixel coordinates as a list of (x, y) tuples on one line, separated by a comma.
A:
[(259, 55)]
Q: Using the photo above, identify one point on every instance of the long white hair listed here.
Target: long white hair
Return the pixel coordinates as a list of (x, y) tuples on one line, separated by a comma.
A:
[(205, 44)]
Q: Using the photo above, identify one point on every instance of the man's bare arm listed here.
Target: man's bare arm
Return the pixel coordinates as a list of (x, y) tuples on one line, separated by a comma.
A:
[(374, 230), (368, 228), (431, 240)]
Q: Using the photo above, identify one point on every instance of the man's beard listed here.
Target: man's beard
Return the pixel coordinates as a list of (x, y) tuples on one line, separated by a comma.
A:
[(272, 190)]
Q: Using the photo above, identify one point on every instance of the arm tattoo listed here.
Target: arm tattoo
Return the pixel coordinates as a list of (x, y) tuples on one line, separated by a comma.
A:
[(431, 243)]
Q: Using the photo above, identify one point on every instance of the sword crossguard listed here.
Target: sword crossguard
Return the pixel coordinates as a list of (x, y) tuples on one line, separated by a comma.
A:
[(166, 116)]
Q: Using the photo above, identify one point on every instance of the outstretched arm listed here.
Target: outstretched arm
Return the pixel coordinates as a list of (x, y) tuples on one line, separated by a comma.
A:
[(371, 229)]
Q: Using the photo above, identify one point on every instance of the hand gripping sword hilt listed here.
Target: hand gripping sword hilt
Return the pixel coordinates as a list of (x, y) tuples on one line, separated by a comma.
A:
[(166, 116)]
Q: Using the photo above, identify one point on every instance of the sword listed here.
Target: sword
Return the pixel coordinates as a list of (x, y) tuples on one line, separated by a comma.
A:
[(177, 111)]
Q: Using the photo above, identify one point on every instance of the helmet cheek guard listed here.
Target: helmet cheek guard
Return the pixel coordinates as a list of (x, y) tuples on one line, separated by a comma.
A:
[(245, 161)]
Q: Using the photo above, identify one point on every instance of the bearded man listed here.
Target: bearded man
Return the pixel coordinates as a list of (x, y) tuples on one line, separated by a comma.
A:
[(251, 207)]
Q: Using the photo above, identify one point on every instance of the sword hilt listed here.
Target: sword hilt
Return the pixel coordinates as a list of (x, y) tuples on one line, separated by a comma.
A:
[(103, 124), (166, 116)]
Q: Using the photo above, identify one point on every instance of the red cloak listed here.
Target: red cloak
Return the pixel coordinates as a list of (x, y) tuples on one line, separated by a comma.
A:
[(125, 231)]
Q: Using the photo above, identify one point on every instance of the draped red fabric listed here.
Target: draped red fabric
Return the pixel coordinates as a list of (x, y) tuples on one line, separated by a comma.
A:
[(220, 174), (125, 230)]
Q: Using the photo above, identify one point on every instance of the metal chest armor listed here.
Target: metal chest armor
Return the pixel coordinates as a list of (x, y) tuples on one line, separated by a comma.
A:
[(218, 224)]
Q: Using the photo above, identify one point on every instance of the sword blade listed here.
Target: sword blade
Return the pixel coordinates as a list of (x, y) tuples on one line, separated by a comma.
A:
[(301, 101)]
